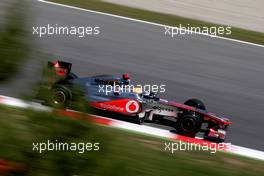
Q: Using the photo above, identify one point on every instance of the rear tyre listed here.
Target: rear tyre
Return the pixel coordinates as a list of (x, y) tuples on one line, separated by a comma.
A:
[(60, 97), (189, 124), (196, 103)]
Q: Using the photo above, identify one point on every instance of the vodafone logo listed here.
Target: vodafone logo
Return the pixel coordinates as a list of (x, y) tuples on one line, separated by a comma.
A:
[(132, 106)]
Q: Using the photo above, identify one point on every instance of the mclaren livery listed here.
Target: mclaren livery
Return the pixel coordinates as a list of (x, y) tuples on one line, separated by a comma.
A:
[(188, 119)]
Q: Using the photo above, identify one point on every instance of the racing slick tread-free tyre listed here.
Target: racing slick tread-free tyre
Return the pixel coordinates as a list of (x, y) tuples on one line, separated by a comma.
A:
[(60, 96), (189, 124), (196, 103)]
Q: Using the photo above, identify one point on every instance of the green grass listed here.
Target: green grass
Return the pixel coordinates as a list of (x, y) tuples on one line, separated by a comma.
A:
[(14, 41), (97, 5), (121, 152)]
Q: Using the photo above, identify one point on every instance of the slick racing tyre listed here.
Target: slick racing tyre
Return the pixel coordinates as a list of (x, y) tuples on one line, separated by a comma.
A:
[(189, 124), (60, 96), (195, 103)]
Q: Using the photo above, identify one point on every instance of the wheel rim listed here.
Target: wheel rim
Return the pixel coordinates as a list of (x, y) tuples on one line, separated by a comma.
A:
[(188, 125), (59, 97)]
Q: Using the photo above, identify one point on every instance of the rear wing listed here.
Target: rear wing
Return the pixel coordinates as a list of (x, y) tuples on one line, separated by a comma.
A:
[(61, 68), (57, 71)]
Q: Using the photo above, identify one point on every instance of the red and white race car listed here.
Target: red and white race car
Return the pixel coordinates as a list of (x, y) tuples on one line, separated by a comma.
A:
[(188, 118)]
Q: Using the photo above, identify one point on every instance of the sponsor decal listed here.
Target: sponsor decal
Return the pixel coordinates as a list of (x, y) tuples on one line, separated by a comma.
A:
[(132, 106), (123, 106), (112, 107)]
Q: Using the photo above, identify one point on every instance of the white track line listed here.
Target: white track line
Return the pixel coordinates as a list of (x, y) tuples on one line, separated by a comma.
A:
[(146, 22), (238, 150)]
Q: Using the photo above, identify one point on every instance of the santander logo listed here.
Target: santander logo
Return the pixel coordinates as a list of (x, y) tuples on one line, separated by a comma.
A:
[(132, 106)]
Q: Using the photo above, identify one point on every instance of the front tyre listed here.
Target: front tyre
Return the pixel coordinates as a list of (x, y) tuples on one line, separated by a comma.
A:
[(189, 124), (196, 103)]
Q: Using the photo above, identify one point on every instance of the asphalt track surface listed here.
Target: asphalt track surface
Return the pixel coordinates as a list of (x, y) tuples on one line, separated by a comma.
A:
[(228, 76)]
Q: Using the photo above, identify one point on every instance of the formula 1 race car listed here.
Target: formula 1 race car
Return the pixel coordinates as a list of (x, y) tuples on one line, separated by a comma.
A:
[(188, 119)]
